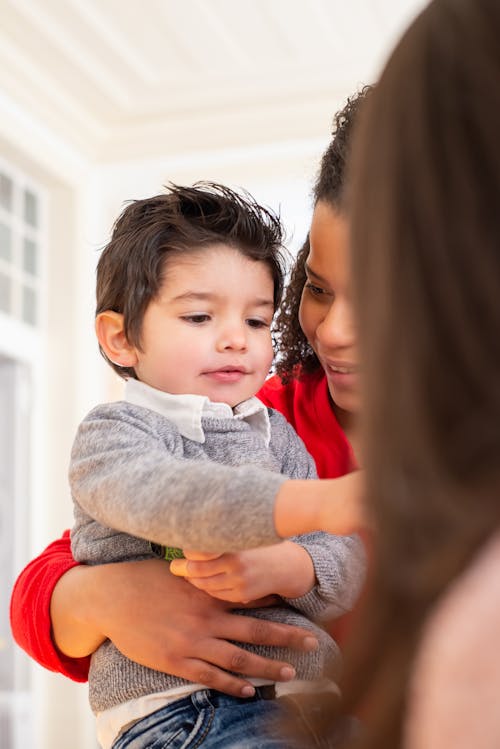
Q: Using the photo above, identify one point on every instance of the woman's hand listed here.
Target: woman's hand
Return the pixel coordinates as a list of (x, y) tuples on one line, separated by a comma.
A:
[(284, 569), (162, 622)]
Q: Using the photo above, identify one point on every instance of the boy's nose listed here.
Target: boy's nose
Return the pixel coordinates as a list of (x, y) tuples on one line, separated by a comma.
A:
[(232, 339)]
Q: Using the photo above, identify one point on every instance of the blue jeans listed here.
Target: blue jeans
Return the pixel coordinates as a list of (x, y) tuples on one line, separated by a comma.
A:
[(213, 720)]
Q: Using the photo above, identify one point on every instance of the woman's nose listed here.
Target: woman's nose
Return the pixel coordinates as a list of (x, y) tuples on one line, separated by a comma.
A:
[(337, 329)]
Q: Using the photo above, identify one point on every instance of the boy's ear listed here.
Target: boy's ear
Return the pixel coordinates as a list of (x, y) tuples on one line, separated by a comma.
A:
[(112, 339)]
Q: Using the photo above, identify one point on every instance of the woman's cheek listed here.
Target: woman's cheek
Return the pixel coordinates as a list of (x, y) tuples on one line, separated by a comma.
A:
[(307, 319)]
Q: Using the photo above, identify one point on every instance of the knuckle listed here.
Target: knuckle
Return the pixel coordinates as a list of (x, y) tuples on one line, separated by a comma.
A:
[(166, 660), (239, 661), (259, 632), (206, 676)]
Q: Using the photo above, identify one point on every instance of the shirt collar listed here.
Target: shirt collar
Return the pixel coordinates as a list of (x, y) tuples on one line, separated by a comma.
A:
[(187, 411)]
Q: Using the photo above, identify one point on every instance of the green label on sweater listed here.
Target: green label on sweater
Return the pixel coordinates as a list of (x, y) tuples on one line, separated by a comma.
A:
[(166, 552)]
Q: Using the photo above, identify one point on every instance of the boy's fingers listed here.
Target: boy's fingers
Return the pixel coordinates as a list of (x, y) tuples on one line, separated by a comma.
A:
[(179, 567), (260, 603), (201, 556), (190, 568), (210, 584)]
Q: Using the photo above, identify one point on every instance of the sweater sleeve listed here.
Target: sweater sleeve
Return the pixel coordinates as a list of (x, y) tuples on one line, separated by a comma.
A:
[(339, 561), (30, 610), (340, 567), (126, 476)]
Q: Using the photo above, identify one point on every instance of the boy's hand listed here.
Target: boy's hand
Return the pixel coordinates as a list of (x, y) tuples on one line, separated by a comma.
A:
[(284, 569)]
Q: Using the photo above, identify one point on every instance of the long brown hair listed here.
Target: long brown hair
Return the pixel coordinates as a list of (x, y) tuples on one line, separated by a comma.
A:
[(425, 232)]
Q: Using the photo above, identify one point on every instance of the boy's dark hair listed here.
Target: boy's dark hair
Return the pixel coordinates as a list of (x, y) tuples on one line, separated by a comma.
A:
[(131, 268), (294, 351)]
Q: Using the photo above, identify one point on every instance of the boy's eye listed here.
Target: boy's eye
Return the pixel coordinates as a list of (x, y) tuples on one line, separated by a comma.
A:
[(196, 319), (254, 323)]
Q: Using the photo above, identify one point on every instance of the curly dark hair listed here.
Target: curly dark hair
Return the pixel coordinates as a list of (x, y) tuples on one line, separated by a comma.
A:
[(294, 355)]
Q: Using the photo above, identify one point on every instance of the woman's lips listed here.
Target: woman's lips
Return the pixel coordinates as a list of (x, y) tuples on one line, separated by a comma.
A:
[(344, 374), (347, 369)]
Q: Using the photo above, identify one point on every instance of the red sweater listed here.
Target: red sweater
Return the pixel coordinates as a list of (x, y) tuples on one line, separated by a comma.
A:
[(305, 404), (30, 609)]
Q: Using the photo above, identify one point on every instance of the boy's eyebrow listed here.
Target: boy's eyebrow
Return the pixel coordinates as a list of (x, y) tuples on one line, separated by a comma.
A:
[(264, 303), (195, 295), (204, 296)]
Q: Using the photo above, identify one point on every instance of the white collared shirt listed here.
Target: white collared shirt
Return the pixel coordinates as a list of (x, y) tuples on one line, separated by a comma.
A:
[(186, 411)]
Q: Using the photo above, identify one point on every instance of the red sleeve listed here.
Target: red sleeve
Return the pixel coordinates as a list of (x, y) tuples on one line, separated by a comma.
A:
[(30, 609)]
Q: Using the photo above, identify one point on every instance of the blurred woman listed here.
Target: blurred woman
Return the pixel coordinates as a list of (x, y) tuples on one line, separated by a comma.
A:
[(425, 237)]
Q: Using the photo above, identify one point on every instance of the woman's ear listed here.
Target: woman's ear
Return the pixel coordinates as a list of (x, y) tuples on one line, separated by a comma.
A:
[(112, 339)]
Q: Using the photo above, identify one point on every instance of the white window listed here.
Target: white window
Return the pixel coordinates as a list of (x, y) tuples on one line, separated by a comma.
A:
[(21, 233), (22, 252)]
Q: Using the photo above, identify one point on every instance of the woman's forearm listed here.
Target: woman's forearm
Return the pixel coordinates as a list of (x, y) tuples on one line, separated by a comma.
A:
[(74, 611)]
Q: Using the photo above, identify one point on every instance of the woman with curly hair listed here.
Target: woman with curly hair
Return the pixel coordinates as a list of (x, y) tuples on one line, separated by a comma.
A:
[(317, 382), (153, 617)]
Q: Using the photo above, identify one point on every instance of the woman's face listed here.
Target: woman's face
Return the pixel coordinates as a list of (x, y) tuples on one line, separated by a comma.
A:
[(326, 314)]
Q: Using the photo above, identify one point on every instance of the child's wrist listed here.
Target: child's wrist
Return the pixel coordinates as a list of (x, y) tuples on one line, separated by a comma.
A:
[(299, 576)]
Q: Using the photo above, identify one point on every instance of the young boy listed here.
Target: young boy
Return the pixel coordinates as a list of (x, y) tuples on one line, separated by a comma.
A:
[(186, 292)]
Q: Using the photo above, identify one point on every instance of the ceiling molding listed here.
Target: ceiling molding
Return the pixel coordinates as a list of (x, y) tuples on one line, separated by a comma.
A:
[(115, 79)]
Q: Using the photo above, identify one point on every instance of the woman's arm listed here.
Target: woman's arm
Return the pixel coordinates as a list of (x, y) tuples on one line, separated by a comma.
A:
[(30, 609), (153, 617)]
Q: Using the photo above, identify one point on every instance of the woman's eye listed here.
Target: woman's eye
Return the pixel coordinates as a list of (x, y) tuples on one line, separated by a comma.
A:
[(314, 290), (196, 319)]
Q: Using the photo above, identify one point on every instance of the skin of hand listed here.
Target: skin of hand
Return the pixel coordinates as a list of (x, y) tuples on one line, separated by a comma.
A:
[(162, 622), (284, 569), (332, 505)]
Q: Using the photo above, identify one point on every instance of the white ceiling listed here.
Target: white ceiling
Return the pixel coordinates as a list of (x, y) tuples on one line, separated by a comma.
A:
[(124, 78)]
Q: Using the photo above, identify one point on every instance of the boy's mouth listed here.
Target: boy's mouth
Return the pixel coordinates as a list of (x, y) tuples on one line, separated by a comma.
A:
[(226, 374)]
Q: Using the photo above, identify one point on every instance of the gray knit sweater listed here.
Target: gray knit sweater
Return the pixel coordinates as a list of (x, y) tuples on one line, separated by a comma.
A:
[(136, 479)]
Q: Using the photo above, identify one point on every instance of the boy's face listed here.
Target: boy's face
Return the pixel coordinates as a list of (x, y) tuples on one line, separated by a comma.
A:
[(208, 330)]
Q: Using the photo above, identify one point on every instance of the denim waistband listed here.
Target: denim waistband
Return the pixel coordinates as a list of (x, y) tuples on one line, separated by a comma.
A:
[(219, 699)]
